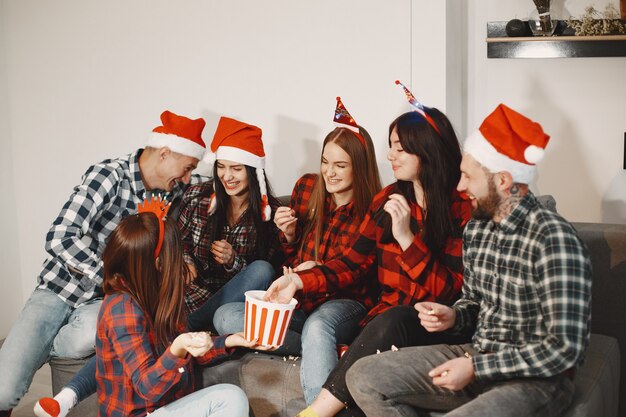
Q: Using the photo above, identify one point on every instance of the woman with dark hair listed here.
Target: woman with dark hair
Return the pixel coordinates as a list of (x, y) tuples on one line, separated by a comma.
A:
[(144, 364), (410, 238), (321, 221), (230, 244)]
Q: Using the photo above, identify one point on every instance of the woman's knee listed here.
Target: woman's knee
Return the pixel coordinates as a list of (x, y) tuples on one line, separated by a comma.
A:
[(317, 329), (262, 272), (229, 318)]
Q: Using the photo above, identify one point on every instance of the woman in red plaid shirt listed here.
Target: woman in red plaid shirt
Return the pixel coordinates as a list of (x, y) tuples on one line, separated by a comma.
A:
[(411, 238), (143, 364), (323, 218)]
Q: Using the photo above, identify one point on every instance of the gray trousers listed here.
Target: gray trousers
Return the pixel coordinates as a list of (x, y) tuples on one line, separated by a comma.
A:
[(397, 384)]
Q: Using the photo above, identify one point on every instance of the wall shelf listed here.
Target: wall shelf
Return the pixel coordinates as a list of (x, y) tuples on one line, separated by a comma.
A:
[(561, 45)]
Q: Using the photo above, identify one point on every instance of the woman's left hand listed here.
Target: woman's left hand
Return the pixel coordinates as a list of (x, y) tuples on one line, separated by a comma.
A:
[(400, 212), (223, 252)]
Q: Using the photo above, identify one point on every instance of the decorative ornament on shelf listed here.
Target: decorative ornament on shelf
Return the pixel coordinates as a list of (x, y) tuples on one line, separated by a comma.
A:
[(540, 19), (592, 23), (516, 28)]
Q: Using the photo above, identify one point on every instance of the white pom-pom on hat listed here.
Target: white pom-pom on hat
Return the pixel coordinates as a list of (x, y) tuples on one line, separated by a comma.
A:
[(533, 154)]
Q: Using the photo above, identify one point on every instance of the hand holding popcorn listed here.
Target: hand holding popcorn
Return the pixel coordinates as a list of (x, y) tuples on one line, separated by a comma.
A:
[(435, 317)]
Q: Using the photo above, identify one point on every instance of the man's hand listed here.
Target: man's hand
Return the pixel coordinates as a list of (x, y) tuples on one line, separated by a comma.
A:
[(435, 317), (282, 290), (454, 375)]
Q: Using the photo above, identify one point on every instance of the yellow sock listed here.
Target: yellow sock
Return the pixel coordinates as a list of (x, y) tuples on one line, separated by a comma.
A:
[(308, 412)]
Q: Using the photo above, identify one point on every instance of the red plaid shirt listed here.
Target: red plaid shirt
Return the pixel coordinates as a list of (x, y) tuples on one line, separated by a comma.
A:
[(132, 378), (404, 277), (340, 227), (196, 226)]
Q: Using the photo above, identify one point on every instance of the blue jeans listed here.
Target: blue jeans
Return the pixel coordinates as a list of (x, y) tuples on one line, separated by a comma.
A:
[(396, 384), (46, 327), (222, 400), (256, 276), (334, 322)]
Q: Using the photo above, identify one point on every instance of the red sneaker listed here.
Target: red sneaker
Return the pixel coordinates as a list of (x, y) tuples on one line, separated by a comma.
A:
[(47, 407), (341, 349)]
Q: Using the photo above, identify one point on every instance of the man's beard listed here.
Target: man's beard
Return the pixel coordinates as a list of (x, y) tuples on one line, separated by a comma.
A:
[(487, 207)]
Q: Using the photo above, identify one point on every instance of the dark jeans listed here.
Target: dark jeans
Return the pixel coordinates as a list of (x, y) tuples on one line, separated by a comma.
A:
[(396, 384), (256, 276), (398, 326)]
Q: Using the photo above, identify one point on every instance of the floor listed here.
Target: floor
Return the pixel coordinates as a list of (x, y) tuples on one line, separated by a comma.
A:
[(41, 387)]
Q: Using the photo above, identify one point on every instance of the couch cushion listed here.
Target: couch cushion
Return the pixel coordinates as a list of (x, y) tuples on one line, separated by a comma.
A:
[(271, 382)]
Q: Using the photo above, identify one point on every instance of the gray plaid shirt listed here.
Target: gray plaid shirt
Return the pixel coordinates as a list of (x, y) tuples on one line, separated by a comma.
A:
[(109, 191), (527, 293)]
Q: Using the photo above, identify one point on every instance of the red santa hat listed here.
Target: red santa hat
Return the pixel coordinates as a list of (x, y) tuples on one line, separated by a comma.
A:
[(508, 141), (240, 142), (179, 134), (344, 120)]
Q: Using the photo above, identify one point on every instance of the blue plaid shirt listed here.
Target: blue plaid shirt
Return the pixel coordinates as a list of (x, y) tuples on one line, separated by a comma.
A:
[(527, 293), (109, 191)]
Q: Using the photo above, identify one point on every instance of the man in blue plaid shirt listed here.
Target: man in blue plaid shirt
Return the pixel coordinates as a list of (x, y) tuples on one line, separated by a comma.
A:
[(59, 318), (526, 296)]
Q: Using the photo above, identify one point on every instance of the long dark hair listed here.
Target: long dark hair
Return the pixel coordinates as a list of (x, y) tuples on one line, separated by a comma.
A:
[(222, 200), (129, 266), (365, 180), (439, 173)]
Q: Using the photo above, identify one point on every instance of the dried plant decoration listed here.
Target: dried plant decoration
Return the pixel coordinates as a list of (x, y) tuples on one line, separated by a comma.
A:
[(594, 23)]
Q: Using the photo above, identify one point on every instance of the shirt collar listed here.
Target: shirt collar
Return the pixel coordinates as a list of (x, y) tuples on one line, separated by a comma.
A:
[(511, 222), (136, 183), (332, 207)]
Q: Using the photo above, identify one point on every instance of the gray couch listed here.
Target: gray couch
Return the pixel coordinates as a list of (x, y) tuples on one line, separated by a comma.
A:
[(273, 386)]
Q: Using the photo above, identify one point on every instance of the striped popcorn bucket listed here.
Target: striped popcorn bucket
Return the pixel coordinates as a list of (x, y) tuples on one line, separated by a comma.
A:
[(268, 322)]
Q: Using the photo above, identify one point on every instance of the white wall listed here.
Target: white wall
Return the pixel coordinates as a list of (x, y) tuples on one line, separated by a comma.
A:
[(581, 103), (81, 81)]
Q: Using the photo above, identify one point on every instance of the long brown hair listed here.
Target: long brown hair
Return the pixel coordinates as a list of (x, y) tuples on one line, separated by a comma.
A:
[(439, 172), (129, 267), (365, 180)]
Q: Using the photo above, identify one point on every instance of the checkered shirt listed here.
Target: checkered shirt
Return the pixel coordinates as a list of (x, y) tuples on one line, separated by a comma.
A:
[(527, 293), (340, 226), (196, 226), (132, 378), (404, 277), (109, 191)]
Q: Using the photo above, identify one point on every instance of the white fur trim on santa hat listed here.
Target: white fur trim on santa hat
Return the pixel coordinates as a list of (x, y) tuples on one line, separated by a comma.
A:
[(231, 153), (176, 144), (212, 204), (485, 154), (266, 210)]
